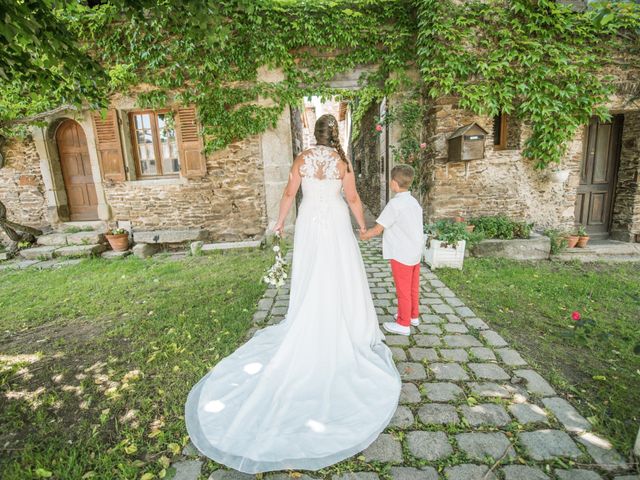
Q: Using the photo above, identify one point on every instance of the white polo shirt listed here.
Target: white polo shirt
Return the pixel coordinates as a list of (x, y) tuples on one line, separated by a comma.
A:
[(402, 238)]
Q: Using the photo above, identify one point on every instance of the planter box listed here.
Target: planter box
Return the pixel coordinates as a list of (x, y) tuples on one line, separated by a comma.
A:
[(437, 256)]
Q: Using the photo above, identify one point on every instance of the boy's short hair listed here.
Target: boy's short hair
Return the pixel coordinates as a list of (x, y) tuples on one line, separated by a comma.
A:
[(403, 175)]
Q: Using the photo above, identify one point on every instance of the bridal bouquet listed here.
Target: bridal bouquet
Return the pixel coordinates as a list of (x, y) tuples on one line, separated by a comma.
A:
[(277, 273)]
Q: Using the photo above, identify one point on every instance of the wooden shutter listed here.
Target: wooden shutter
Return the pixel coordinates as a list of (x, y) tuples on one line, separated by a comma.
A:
[(192, 161), (109, 147)]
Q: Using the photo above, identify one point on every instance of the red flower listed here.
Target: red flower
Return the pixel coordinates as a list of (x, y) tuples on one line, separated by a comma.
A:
[(423, 145), (575, 316), (379, 128)]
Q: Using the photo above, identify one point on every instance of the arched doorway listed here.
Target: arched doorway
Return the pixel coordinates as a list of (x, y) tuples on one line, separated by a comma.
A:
[(76, 171)]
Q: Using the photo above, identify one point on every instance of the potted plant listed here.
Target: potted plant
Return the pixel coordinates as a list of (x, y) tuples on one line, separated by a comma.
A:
[(572, 239), (583, 237), (118, 238), (445, 244)]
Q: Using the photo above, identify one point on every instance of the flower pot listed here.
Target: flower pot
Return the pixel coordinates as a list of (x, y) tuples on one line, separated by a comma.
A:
[(559, 176), (470, 228), (582, 241), (458, 219), (572, 240), (119, 242), (437, 255)]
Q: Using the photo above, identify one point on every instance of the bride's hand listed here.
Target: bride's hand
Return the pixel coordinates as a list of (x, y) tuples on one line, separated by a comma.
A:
[(279, 229)]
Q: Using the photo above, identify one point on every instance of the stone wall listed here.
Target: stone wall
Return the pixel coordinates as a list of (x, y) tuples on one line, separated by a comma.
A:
[(626, 210), (21, 186), (365, 161), (502, 182), (228, 202)]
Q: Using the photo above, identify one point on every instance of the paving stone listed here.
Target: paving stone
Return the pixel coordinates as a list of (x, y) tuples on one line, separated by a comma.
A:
[(453, 318), (401, 340), (386, 448), (432, 319), (493, 339), (442, 391), (602, 452), (489, 389), (465, 312), (477, 323), (418, 354), (259, 316), (431, 329), (485, 414), (430, 446), (482, 353), (435, 283), (468, 471), (510, 357), (454, 301), (535, 383), (490, 371), (286, 476), (187, 469), (427, 340), (454, 354), (523, 472), (230, 475), (438, 413), (399, 355), (480, 445), (403, 418), (441, 308), (445, 292), (627, 477), (576, 474), (566, 414), (461, 341), (548, 444), (455, 328), (411, 370), (448, 371), (356, 476), (409, 393), (410, 473), (190, 450), (527, 413)]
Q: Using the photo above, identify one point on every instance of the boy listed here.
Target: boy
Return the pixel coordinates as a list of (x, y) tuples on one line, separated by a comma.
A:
[(401, 222)]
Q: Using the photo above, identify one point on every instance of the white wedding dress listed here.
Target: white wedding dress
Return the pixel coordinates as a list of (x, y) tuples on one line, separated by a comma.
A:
[(319, 386)]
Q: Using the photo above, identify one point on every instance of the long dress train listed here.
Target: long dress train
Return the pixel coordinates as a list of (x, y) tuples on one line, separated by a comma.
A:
[(319, 386)]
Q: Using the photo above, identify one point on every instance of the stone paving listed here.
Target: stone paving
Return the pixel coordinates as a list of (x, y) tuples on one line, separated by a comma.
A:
[(470, 408)]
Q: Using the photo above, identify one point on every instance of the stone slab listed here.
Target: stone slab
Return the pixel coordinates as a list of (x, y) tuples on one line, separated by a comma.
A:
[(410, 473), (386, 448), (442, 391), (488, 371), (477, 445), (533, 248), (523, 472), (527, 413), (535, 383), (448, 371), (418, 354), (38, 253), (468, 471), (169, 236), (403, 418), (409, 393), (187, 469), (566, 414), (411, 371), (430, 446), (577, 474), (74, 251), (485, 414), (602, 452), (461, 341), (438, 414), (548, 444)]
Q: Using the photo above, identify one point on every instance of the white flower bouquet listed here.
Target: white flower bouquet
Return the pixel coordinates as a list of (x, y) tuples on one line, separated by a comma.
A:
[(277, 274)]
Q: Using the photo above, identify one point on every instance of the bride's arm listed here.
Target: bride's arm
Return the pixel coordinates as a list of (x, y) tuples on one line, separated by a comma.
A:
[(353, 199), (289, 194)]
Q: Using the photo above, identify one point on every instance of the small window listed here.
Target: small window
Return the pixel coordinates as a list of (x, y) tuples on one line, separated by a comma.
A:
[(155, 147), (500, 131)]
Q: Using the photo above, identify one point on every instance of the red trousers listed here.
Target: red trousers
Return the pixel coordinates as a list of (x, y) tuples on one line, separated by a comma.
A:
[(407, 279)]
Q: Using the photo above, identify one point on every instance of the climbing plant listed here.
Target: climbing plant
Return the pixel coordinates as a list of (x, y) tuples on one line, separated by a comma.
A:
[(536, 60)]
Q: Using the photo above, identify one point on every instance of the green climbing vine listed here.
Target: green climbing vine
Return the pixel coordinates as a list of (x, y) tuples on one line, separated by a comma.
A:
[(538, 61)]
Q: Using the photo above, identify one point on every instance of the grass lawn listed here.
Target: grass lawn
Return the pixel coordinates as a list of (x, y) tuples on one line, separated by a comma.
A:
[(97, 359), (530, 304)]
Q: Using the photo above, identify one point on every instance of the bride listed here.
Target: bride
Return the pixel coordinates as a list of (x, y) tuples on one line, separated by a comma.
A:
[(319, 386)]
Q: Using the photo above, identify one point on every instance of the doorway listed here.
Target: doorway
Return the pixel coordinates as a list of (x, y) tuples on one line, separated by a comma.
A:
[(82, 200), (594, 199)]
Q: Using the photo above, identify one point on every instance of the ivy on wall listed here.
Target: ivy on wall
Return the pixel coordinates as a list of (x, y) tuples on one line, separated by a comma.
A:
[(536, 60)]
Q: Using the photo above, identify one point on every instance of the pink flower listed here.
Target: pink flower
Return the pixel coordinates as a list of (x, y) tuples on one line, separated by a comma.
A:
[(379, 128), (423, 146), (575, 316)]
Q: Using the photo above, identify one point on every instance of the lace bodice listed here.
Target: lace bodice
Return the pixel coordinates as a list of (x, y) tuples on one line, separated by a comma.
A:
[(320, 162)]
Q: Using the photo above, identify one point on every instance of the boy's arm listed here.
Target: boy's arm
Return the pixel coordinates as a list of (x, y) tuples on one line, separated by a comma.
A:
[(372, 232)]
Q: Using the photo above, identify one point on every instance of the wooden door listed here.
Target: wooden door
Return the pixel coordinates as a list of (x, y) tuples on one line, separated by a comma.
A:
[(594, 200), (76, 171)]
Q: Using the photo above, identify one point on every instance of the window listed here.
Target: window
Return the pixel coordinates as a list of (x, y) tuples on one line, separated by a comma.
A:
[(155, 148), (500, 131)]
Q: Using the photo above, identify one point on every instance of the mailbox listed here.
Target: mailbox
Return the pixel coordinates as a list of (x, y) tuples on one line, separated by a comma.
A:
[(467, 143)]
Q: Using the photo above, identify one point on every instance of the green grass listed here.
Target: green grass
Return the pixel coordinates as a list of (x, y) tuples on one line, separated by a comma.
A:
[(530, 304), (111, 350)]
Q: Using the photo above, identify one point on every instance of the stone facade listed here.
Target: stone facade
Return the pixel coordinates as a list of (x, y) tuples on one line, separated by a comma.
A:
[(366, 162), (626, 209), (21, 186)]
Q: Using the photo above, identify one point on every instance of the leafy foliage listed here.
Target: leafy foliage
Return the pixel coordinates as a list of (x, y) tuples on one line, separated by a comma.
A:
[(502, 227)]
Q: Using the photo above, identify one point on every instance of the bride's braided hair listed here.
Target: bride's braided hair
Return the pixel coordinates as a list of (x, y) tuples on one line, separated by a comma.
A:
[(327, 133)]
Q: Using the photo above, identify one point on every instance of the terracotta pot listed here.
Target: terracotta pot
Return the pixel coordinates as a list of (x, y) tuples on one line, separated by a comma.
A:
[(119, 242), (458, 219), (582, 242), (572, 240), (470, 228)]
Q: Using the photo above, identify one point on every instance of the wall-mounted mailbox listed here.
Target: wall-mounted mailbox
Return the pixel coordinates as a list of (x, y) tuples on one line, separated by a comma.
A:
[(467, 143)]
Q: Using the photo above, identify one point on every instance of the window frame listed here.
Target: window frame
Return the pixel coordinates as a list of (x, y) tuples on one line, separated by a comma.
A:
[(502, 145), (155, 131)]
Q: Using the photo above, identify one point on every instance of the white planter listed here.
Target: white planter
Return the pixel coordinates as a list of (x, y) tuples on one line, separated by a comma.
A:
[(437, 256), (559, 176)]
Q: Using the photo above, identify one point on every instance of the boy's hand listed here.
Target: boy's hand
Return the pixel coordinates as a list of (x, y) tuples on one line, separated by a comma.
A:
[(364, 234)]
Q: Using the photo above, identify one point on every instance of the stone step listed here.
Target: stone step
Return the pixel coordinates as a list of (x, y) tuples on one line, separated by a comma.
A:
[(38, 253), (75, 251), (112, 254), (63, 239), (168, 236), (212, 247)]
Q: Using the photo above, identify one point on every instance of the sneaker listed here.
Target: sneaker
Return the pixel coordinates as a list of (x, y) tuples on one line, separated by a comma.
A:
[(393, 327), (414, 321)]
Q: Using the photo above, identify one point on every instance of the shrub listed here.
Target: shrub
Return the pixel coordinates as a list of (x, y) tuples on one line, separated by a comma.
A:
[(502, 227), (558, 240)]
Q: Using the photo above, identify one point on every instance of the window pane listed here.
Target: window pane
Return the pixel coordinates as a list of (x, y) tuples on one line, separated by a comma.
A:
[(497, 129), (144, 140), (168, 145)]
